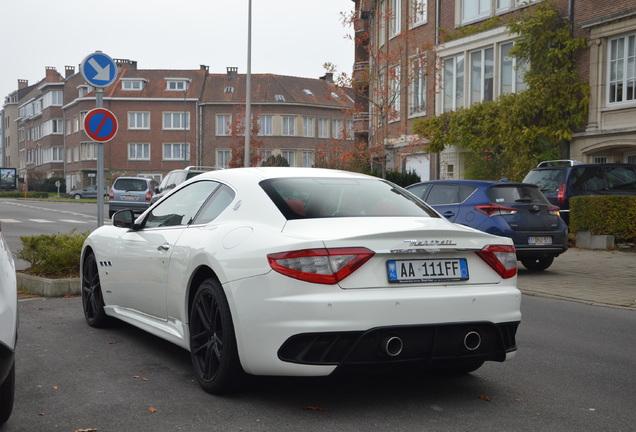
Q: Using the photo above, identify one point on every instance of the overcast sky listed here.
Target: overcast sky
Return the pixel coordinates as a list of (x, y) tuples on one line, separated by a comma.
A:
[(289, 37)]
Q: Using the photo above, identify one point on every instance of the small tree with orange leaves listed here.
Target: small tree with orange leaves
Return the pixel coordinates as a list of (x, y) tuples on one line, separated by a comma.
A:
[(237, 142)]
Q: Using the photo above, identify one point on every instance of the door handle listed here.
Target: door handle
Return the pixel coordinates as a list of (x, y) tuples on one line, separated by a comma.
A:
[(448, 214), (164, 246)]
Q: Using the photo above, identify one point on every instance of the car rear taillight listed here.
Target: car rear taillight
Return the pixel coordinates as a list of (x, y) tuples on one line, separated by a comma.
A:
[(111, 194), (495, 209), (555, 211), (324, 266), (148, 195), (502, 258), (561, 194)]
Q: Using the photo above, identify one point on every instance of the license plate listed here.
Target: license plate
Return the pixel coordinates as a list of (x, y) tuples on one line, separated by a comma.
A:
[(427, 270), (539, 240), (129, 198)]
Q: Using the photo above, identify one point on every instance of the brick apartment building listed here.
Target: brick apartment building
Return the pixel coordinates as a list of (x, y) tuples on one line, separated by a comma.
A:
[(167, 119), (397, 39)]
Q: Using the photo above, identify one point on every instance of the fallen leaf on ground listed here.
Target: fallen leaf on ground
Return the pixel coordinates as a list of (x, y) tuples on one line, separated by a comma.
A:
[(86, 430), (55, 387), (313, 408), (151, 409), (485, 398), (112, 342)]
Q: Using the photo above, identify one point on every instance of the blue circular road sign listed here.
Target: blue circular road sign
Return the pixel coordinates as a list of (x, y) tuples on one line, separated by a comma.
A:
[(100, 124), (98, 69)]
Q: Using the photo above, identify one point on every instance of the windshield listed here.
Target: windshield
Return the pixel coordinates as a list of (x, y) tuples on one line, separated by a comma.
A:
[(299, 198), (548, 180)]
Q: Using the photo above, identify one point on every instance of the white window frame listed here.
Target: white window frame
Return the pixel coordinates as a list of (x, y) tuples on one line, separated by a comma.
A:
[(266, 124), (308, 127), (323, 128), (480, 73), (88, 151), (223, 124), (395, 93), (223, 157), (132, 84), (511, 70), (290, 155), (308, 158), (484, 9), (288, 124), (382, 18), (419, 12), (417, 100), (168, 152), (177, 84), (138, 151), (171, 118), (336, 128), (138, 120), (621, 70), (395, 19)]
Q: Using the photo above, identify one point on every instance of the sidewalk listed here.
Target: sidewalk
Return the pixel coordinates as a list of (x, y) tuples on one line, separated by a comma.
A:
[(590, 276)]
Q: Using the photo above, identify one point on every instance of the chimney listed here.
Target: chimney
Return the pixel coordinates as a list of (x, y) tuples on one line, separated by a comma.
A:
[(69, 71), (232, 73), (51, 74), (126, 64), (22, 83), (328, 77)]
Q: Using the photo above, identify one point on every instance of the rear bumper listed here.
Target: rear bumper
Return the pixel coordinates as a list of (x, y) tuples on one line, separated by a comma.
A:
[(532, 251)]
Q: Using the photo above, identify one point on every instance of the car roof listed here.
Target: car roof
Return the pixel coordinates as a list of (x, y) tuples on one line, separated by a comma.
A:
[(477, 183), (582, 165), (263, 173)]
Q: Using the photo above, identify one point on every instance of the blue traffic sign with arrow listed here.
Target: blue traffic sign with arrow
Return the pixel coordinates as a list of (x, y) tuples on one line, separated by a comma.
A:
[(98, 69)]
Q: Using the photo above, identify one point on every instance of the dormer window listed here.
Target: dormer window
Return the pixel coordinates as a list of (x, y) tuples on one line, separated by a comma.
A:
[(308, 92), (229, 89), (132, 84), (177, 84), (334, 95), (84, 90), (279, 98)]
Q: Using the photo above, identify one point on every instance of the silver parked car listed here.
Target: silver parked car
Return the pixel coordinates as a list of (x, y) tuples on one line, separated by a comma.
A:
[(8, 329), (130, 193), (87, 192)]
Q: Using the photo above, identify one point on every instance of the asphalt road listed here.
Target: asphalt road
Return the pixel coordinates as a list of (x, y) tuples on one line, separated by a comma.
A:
[(574, 369)]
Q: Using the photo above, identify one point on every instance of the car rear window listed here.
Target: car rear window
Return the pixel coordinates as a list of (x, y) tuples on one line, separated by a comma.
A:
[(516, 194), (299, 198), (621, 178), (548, 180), (131, 184)]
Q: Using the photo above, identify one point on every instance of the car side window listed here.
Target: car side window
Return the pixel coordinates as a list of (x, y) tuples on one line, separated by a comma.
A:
[(588, 179), (420, 190), (215, 205), (621, 178), (181, 207), (465, 191), (443, 194)]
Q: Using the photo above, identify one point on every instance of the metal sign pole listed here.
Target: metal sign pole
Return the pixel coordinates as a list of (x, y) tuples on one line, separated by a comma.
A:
[(99, 93)]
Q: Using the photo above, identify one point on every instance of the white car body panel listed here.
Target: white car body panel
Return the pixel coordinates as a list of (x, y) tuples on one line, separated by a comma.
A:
[(267, 307)]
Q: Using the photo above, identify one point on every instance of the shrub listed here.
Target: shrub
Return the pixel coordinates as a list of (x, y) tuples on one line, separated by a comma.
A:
[(604, 215), (52, 255), (20, 194), (400, 178)]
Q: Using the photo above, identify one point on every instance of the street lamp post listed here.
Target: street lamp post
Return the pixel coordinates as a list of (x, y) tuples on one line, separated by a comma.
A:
[(248, 87)]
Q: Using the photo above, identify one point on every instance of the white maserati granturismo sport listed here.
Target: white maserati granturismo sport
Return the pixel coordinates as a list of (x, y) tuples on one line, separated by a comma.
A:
[(301, 271)]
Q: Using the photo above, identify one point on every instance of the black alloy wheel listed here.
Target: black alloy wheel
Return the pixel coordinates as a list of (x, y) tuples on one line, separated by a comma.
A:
[(212, 341), (537, 264), (92, 299)]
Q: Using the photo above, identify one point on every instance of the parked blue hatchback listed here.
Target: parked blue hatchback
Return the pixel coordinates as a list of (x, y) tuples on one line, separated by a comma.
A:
[(516, 210)]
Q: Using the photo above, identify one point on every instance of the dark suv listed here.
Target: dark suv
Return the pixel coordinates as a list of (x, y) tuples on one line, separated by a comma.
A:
[(176, 177), (132, 193), (563, 179)]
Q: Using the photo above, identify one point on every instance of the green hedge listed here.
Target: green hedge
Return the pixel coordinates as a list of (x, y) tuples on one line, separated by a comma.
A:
[(604, 215), (52, 255)]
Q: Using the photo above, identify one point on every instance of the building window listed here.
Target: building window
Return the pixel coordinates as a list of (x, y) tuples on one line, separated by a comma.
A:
[(175, 151), (290, 155), (53, 127), (289, 125), (223, 125), (308, 127), (622, 69), (52, 98), (127, 84), (395, 19), (84, 90), (382, 23), (512, 70), (395, 90), (419, 9), (308, 159), (481, 75), (52, 154), (418, 87), (223, 158), (138, 120), (473, 10), (88, 151), (265, 125), (279, 98), (323, 128), (176, 85), (174, 120), (336, 128), (138, 151), (453, 83)]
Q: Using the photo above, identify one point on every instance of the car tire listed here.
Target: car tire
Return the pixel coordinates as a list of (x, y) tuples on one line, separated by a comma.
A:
[(537, 264), (92, 298), (7, 392), (213, 342), (111, 213), (77, 196)]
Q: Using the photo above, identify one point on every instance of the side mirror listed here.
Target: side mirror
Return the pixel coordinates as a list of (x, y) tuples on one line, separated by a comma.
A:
[(124, 219), (156, 189)]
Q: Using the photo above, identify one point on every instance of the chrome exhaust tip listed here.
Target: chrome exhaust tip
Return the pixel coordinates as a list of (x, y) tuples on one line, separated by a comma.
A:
[(392, 346), (472, 340)]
